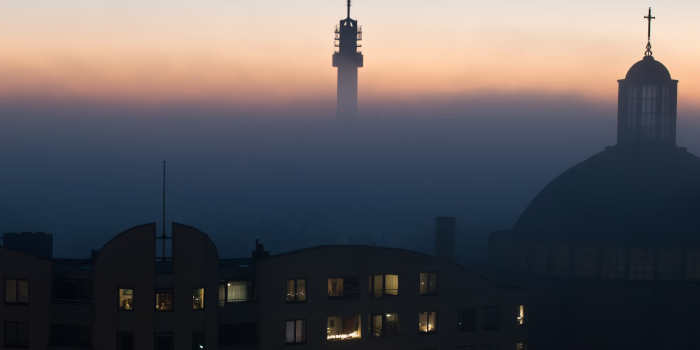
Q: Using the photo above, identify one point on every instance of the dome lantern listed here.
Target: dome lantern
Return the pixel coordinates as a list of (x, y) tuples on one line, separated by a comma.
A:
[(647, 102)]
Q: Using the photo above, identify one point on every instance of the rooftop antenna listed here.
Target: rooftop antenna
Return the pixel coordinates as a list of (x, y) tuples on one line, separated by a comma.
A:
[(163, 237), (649, 18), (349, 4)]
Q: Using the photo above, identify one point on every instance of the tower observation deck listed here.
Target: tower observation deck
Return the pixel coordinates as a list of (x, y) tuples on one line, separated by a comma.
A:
[(347, 58)]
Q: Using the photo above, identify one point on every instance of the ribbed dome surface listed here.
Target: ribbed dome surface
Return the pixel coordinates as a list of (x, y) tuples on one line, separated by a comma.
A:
[(620, 194), (648, 70)]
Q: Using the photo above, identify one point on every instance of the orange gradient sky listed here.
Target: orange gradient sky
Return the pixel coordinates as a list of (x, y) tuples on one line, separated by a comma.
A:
[(276, 53)]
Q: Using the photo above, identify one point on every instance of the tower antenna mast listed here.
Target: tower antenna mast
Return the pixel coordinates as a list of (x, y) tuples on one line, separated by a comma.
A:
[(163, 236), (349, 4)]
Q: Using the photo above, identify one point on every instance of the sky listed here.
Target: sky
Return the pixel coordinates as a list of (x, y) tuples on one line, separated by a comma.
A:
[(245, 53), (467, 109)]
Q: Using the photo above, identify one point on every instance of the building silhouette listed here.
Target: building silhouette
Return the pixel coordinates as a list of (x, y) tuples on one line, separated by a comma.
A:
[(347, 59), (127, 296), (612, 245)]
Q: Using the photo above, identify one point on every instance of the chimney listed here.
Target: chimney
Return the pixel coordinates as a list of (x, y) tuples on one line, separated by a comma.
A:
[(445, 228), (259, 251)]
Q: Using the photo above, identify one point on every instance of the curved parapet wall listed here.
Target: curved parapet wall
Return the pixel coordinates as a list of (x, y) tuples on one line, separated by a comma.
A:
[(126, 261)]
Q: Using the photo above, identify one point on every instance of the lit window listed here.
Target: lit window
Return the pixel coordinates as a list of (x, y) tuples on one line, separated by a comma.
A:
[(467, 320), (520, 346), (126, 299), (383, 284), (520, 315), (427, 284), (17, 291), (335, 287), (16, 334), (295, 332), (164, 300), (491, 318), (296, 290), (344, 328), (233, 292), (427, 322), (385, 325), (198, 299)]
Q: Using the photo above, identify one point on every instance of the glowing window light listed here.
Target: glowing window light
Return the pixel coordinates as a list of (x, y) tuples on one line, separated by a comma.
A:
[(344, 328), (520, 317), (427, 322)]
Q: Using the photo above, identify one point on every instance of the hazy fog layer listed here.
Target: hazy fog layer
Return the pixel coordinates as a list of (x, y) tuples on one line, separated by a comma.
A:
[(297, 178)]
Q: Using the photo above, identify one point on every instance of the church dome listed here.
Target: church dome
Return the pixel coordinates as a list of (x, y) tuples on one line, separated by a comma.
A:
[(620, 194), (648, 70)]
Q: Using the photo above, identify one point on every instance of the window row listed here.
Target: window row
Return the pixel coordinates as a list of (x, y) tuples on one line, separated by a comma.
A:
[(518, 346), (379, 285), (229, 335), (161, 341), (348, 328), (163, 299), (16, 291), (343, 328), (488, 318)]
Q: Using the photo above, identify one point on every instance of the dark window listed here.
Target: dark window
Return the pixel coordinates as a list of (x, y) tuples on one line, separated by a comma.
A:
[(16, 334), (238, 334), (383, 284), (489, 347), (296, 291), (295, 332), (71, 290), (70, 335), (427, 284), (125, 340), (16, 291), (427, 322), (385, 325), (164, 341), (491, 318), (198, 341), (467, 320), (164, 300)]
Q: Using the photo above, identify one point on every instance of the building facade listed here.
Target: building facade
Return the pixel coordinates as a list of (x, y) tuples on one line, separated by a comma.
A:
[(364, 297)]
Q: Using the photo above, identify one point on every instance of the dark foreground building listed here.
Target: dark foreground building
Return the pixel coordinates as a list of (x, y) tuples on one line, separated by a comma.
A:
[(326, 297), (610, 249)]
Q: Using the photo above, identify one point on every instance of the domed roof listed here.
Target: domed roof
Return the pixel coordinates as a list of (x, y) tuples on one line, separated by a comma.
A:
[(620, 194), (648, 70)]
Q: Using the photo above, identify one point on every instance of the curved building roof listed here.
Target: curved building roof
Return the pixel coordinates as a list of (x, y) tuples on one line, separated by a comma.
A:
[(648, 70), (620, 194)]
